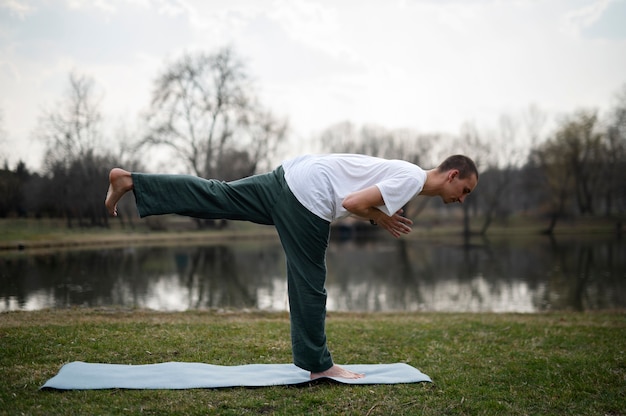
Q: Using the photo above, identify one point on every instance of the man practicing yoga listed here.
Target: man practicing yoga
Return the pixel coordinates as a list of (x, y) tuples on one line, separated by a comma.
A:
[(301, 198)]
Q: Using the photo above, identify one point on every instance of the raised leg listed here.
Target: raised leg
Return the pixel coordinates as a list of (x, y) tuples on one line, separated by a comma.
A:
[(120, 182)]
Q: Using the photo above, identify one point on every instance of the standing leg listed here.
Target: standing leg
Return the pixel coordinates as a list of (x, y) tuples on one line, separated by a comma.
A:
[(305, 244), (304, 237)]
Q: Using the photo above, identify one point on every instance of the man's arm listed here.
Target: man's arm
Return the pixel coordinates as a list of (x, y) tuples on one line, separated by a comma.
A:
[(363, 204)]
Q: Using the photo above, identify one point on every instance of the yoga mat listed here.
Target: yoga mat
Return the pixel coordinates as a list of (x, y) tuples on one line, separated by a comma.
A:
[(183, 375)]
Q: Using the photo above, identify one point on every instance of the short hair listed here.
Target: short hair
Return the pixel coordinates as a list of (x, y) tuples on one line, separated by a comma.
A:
[(463, 164)]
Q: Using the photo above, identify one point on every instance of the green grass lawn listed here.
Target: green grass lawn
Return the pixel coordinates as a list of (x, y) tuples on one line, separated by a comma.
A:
[(481, 364), (32, 234)]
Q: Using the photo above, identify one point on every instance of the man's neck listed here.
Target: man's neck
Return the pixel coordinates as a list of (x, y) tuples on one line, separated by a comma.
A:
[(434, 182)]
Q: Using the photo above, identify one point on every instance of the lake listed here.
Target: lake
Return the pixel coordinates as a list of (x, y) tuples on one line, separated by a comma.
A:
[(374, 275)]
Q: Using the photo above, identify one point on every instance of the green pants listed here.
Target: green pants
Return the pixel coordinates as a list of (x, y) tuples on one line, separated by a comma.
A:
[(263, 199)]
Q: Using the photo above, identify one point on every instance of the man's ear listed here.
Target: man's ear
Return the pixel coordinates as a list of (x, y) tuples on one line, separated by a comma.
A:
[(452, 173)]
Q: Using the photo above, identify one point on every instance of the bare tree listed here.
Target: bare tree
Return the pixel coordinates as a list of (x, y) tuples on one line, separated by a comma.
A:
[(73, 127), (557, 178), (265, 135), (3, 136), (343, 137), (72, 134), (581, 143), (497, 184), (534, 122), (405, 144), (570, 162), (615, 164), (203, 109)]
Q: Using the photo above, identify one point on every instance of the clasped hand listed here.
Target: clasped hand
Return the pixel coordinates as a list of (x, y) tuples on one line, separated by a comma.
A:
[(396, 225)]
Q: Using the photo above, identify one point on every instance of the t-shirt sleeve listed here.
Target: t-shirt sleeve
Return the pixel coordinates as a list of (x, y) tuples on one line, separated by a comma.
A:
[(397, 191)]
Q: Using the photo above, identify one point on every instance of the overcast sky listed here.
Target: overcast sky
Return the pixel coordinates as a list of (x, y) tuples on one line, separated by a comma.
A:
[(427, 65)]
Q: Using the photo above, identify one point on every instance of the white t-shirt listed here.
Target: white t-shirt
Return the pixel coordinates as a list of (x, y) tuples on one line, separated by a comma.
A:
[(322, 182)]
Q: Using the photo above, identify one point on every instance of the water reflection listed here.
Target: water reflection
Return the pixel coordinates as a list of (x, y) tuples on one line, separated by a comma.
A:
[(383, 275)]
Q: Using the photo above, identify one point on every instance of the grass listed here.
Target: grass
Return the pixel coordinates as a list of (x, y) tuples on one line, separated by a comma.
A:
[(28, 233), (481, 364)]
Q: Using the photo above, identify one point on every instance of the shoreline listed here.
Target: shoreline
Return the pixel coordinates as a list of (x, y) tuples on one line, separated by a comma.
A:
[(30, 234), (96, 240)]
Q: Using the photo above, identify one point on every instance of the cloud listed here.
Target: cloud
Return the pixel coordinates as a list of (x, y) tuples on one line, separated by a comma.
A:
[(308, 22), (101, 5), (575, 21), (17, 8), (610, 25)]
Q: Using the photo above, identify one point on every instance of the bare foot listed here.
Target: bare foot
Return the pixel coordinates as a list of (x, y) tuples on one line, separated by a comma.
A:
[(337, 371), (120, 182)]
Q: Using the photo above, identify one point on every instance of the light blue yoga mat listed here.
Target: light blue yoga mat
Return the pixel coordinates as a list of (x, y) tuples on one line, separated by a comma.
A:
[(179, 375)]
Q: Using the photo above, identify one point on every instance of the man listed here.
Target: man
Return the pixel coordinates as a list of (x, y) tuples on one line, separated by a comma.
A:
[(301, 198)]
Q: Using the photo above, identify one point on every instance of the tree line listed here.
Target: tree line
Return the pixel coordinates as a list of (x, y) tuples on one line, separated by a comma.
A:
[(575, 170), (203, 113), (205, 116)]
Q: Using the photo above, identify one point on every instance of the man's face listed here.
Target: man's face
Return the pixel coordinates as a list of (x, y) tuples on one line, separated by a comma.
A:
[(456, 190)]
